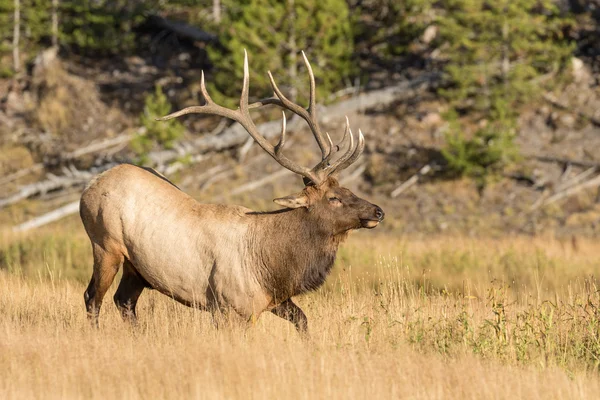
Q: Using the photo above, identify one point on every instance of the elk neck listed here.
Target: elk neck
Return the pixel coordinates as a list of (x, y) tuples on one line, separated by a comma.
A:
[(294, 250)]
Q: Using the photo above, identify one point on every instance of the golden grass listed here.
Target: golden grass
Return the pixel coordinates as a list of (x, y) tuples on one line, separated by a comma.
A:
[(48, 350), (441, 318)]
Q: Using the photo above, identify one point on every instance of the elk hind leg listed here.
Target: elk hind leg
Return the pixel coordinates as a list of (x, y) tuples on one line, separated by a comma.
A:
[(129, 290), (106, 265)]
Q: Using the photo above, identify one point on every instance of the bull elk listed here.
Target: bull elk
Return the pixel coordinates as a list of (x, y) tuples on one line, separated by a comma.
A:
[(223, 258)]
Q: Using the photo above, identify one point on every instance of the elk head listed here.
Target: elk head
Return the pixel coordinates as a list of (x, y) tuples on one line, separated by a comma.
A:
[(334, 206)]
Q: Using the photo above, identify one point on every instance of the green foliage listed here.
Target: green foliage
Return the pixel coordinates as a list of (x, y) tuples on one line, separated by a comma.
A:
[(490, 148), (6, 26), (157, 132), (35, 21), (194, 12), (35, 28), (487, 152), (496, 52), (522, 334), (87, 26), (321, 28), (391, 25), (90, 26), (49, 252)]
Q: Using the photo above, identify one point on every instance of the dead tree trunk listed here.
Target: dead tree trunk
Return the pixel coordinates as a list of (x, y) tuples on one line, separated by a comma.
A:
[(54, 23), (217, 11)]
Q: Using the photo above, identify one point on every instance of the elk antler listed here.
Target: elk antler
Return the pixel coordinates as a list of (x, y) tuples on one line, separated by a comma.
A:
[(242, 115)]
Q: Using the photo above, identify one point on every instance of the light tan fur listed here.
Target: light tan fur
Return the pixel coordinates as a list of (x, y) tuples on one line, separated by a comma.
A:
[(214, 257), (219, 257)]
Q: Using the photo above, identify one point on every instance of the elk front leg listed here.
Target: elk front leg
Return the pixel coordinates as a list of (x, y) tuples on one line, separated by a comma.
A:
[(288, 310)]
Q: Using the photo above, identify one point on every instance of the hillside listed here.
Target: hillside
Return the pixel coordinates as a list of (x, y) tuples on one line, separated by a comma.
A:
[(69, 115)]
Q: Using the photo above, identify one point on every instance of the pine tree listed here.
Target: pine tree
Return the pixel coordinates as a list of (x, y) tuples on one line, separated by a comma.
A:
[(273, 32), (36, 22), (101, 26), (390, 27), (6, 28), (497, 48), (496, 52), (157, 133), (32, 28)]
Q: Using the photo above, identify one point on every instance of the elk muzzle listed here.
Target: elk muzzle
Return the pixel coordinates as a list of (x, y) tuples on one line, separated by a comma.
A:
[(371, 221)]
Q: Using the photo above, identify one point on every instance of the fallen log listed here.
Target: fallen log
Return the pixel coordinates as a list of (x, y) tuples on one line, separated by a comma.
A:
[(564, 161), (411, 181), (576, 179), (572, 190), (100, 145), (105, 144), (47, 218), (247, 187), (53, 182), (21, 173)]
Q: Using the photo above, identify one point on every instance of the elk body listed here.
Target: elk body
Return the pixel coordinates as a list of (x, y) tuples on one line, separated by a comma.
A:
[(223, 258)]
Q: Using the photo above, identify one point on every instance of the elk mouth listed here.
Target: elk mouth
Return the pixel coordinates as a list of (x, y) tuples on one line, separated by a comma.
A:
[(369, 223)]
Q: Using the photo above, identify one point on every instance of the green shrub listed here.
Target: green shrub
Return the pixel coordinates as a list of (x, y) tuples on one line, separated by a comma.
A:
[(485, 153), (163, 133)]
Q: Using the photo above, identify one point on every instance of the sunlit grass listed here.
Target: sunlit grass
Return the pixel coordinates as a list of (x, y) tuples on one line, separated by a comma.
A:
[(445, 317)]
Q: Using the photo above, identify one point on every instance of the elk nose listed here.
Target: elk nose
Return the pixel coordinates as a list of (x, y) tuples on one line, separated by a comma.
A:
[(379, 213)]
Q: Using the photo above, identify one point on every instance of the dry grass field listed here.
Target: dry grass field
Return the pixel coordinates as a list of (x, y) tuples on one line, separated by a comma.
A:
[(409, 318)]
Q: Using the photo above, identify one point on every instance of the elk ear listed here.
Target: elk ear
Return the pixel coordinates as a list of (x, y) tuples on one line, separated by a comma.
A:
[(293, 201), (307, 182)]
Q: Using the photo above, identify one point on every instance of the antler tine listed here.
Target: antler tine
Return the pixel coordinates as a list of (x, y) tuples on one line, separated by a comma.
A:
[(324, 164), (311, 77), (245, 86), (344, 163), (203, 90), (287, 103), (329, 141), (242, 116), (309, 115), (209, 108), (281, 142), (312, 108), (349, 156), (346, 131)]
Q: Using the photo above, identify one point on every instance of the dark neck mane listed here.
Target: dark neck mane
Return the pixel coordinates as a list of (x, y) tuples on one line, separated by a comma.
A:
[(293, 251)]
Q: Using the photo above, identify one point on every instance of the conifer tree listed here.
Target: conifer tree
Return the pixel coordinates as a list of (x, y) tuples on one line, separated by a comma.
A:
[(101, 26), (497, 48), (274, 32), (496, 51), (157, 133)]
